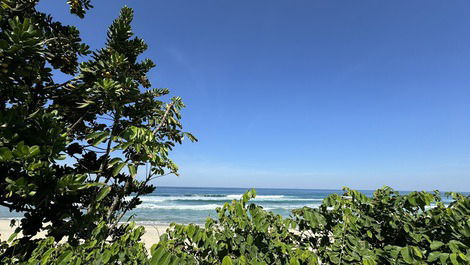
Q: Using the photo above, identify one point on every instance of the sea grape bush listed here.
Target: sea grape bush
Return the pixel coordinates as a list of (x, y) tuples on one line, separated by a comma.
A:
[(126, 249), (388, 228), (243, 233), (96, 250)]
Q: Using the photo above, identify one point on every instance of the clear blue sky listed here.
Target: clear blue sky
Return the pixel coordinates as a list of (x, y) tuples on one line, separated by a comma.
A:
[(310, 94)]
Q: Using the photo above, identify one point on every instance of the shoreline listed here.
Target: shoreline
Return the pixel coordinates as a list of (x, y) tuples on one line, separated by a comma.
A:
[(150, 237)]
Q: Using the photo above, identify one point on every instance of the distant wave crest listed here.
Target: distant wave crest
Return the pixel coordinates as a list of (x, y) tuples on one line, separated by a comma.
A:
[(209, 202), (206, 207), (203, 207), (230, 197)]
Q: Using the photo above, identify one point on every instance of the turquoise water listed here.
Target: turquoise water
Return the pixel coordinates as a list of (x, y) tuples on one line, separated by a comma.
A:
[(194, 205)]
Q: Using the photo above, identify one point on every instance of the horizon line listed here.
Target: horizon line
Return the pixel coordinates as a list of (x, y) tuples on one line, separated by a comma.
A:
[(325, 189)]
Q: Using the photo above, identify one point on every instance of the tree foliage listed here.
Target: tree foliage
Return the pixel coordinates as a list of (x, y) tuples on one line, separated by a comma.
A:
[(70, 151)]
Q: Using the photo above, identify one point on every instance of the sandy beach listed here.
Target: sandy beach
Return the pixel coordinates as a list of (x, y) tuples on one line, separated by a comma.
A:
[(151, 236)]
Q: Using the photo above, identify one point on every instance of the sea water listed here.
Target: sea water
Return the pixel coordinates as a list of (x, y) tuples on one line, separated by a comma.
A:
[(194, 205)]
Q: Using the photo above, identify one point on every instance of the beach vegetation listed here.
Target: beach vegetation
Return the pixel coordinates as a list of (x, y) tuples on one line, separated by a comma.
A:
[(80, 130), (76, 154), (348, 228)]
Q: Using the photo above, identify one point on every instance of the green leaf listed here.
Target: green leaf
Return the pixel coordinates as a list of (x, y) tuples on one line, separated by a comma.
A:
[(122, 146), (433, 256), (407, 255), (118, 168), (191, 137), (97, 137), (5, 154), (94, 135), (100, 139), (34, 150), (436, 244), (227, 261), (65, 257), (14, 234), (132, 170), (239, 209), (443, 258), (417, 252), (453, 259), (294, 261), (47, 256), (85, 104), (106, 256), (103, 192), (368, 261), (156, 255), (113, 161), (462, 256), (165, 258)]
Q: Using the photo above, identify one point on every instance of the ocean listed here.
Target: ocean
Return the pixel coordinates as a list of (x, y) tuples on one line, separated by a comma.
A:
[(194, 205)]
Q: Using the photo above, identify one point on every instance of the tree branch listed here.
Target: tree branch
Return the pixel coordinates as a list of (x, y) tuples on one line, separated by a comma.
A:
[(164, 117), (78, 121), (139, 192), (114, 205), (60, 85), (108, 150), (160, 176)]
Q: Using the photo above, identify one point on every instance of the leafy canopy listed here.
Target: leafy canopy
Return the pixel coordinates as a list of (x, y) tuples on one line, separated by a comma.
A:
[(70, 152)]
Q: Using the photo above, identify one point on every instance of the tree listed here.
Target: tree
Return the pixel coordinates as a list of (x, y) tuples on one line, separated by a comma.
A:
[(70, 152)]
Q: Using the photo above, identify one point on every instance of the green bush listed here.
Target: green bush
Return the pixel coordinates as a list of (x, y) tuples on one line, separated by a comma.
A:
[(126, 249), (388, 228)]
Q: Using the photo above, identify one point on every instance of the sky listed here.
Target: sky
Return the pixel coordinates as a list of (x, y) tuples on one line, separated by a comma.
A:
[(309, 93)]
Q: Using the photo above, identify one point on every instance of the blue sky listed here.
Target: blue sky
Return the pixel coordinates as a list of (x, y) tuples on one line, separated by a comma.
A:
[(309, 93)]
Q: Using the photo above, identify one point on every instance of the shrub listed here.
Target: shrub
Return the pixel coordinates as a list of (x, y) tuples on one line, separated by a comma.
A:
[(388, 228)]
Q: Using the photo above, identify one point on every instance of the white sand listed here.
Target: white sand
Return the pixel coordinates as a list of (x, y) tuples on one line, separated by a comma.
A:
[(151, 236)]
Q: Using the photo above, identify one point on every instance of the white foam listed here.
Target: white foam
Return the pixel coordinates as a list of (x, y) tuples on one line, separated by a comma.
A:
[(234, 196), (258, 197), (221, 198), (205, 207), (179, 207), (270, 196)]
